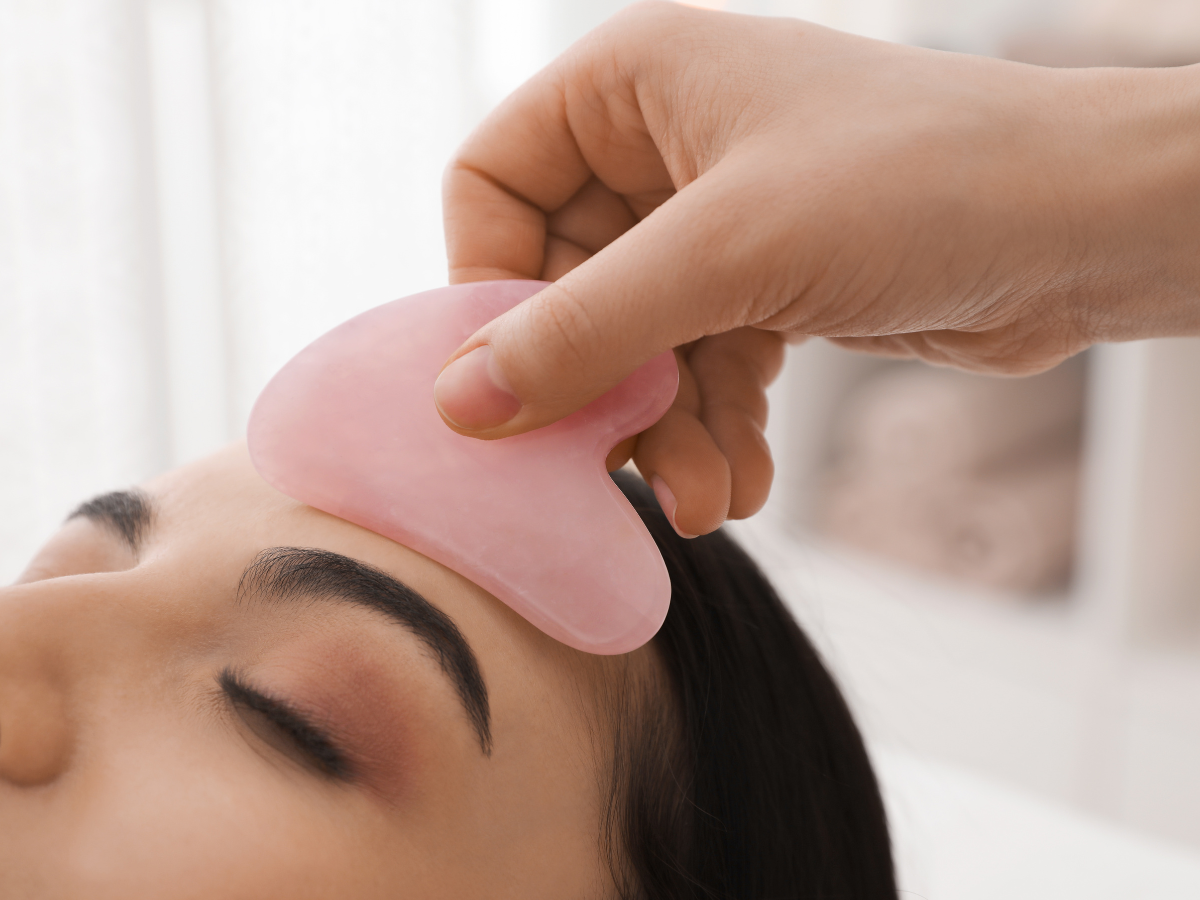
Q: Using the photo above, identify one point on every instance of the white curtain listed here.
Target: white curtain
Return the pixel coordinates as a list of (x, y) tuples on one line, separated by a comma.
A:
[(82, 402), (189, 193)]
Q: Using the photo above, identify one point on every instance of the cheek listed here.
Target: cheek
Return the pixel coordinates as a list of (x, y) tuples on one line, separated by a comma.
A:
[(378, 705), (179, 815)]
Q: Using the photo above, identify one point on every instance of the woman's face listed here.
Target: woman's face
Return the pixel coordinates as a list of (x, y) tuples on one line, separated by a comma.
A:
[(322, 733)]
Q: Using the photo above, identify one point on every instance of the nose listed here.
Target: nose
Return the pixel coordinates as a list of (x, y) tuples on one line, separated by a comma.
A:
[(35, 738), (42, 662)]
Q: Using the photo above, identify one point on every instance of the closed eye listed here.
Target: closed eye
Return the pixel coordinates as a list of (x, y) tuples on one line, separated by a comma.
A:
[(281, 726)]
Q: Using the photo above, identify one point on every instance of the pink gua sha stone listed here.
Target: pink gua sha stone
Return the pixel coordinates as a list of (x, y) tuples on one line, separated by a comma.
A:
[(349, 426)]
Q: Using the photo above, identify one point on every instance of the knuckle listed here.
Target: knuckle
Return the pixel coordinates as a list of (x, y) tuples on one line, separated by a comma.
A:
[(738, 386), (737, 426)]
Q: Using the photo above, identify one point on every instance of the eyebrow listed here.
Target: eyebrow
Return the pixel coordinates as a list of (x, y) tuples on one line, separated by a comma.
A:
[(128, 513), (305, 573)]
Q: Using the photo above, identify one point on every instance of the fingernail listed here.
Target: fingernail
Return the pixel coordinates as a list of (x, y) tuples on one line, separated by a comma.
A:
[(473, 393), (669, 504)]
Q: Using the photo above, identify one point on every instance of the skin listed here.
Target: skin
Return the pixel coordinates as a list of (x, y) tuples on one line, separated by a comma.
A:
[(721, 184), (126, 773)]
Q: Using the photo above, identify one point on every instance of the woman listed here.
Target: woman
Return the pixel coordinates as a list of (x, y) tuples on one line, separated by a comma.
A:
[(210, 690)]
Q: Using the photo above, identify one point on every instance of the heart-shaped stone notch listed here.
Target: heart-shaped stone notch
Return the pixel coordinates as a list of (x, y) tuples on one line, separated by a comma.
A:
[(349, 426)]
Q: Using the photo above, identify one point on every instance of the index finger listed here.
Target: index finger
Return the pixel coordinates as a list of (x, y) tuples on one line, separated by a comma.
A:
[(579, 118)]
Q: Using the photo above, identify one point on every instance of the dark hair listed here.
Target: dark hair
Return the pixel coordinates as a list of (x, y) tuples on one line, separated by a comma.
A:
[(747, 779)]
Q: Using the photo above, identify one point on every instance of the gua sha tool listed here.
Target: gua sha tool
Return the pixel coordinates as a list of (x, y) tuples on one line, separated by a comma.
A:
[(349, 426)]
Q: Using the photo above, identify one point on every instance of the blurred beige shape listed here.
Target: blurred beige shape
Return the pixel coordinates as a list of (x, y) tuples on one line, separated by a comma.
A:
[(925, 418), (967, 476), (1114, 33)]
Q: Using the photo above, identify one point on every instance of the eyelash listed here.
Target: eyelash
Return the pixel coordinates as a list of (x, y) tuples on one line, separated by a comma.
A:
[(313, 743)]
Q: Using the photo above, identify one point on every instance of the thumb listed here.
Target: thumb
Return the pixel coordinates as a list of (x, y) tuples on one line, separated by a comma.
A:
[(665, 282)]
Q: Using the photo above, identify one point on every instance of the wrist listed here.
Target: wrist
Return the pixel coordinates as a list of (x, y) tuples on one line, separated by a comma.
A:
[(1132, 144)]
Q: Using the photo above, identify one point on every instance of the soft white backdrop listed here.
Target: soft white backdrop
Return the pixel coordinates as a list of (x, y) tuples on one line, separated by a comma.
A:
[(190, 192)]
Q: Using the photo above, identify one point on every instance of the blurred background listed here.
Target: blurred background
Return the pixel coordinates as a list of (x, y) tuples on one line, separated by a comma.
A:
[(1004, 573)]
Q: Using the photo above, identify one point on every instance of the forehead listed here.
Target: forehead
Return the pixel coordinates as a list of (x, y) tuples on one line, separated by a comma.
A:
[(221, 509)]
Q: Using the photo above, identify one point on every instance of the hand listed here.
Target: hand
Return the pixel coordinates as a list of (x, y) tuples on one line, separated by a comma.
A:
[(713, 182)]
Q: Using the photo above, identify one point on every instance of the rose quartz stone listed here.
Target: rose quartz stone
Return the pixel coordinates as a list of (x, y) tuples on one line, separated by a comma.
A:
[(349, 426)]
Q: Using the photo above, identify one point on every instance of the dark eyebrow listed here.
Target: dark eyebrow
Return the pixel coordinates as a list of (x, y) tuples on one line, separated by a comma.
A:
[(299, 573), (128, 513)]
